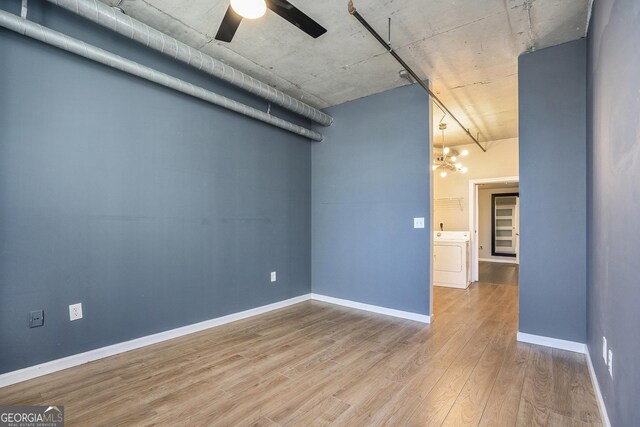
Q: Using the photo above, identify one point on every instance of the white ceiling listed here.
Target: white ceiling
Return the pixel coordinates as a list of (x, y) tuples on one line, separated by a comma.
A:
[(468, 48)]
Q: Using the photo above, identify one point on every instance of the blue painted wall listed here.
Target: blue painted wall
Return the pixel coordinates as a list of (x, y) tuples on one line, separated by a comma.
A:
[(153, 209), (370, 179), (552, 120), (614, 203)]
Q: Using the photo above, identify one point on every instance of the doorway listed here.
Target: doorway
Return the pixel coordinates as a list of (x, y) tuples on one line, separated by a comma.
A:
[(483, 234), (505, 231)]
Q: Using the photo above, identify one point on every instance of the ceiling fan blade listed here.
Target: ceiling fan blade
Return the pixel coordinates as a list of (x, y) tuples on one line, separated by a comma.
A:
[(229, 25), (292, 14)]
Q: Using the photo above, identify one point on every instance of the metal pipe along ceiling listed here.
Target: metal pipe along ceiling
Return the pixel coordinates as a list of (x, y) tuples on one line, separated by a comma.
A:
[(69, 44), (352, 10), (116, 21)]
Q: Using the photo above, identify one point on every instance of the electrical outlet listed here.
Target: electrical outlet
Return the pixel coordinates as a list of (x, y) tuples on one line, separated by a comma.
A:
[(75, 311), (36, 318), (418, 222), (273, 276), (604, 349), (610, 363)]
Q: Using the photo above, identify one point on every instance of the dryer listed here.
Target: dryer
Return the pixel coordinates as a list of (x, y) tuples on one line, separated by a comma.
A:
[(451, 259)]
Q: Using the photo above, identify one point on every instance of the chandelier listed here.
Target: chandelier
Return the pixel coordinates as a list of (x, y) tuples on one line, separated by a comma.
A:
[(448, 159)]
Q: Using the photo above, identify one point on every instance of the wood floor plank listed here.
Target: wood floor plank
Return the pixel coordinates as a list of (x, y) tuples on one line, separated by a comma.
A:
[(318, 364), (315, 389), (573, 395), (559, 420), (537, 390), (504, 399), (323, 413), (530, 415), (434, 409), (432, 366), (470, 403), (233, 410), (370, 405)]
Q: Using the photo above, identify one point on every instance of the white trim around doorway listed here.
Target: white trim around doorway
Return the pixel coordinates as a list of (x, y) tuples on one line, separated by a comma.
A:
[(473, 217)]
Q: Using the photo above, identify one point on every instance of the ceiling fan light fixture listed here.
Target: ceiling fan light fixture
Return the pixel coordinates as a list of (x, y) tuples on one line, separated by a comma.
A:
[(249, 9)]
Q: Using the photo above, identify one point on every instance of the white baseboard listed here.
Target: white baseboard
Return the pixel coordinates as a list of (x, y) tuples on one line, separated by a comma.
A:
[(373, 308), (502, 261), (31, 372), (553, 342), (596, 388), (100, 353), (451, 285)]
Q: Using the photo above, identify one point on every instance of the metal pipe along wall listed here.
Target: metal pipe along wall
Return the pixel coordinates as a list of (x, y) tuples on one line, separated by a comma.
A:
[(108, 17), (69, 44)]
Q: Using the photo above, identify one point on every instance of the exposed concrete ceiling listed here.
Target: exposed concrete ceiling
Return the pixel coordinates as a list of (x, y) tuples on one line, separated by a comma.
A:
[(468, 48)]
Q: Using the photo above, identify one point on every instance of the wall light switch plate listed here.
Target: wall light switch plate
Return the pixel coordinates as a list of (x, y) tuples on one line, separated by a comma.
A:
[(610, 364), (604, 349), (273, 276), (75, 311), (418, 222)]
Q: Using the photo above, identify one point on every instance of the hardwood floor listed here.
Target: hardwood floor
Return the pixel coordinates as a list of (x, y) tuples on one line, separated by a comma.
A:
[(498, 273), (320, 364)]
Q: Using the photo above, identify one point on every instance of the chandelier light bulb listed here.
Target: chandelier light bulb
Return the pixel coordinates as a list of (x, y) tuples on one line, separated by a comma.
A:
[(458, 165), (446, 150), (454, 158), (464, 170), (464, 153), (434, 167), (250, 9), (443, 174)]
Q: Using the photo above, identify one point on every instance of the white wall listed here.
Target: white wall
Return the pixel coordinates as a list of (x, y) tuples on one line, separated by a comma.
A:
[(484, 220), (501, 159)]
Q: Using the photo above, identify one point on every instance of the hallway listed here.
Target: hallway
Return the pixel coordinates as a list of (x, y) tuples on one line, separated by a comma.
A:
[(498, 273)]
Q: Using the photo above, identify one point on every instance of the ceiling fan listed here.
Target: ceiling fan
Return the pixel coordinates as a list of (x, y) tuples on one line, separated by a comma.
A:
[(253, 9)]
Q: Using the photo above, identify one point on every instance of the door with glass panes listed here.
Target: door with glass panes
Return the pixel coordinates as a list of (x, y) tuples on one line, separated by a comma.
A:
[(505, 230)]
